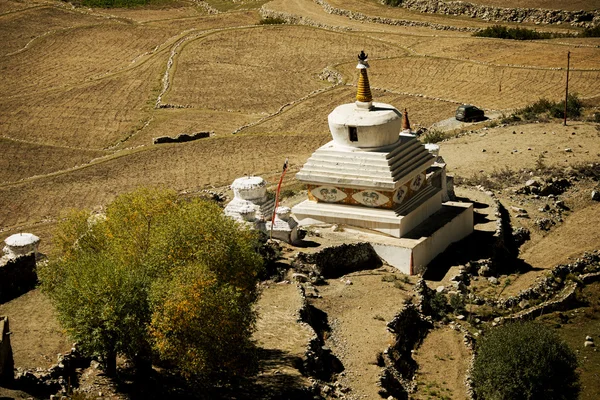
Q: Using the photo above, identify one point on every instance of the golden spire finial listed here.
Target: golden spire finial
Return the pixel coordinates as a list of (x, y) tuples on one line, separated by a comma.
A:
[(363, 92)]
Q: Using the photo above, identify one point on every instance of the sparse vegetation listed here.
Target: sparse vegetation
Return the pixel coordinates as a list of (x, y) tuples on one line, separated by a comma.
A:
[(272, 21), (432, 136), (524, 361), (544, 108), (503, 32), (593, 31)]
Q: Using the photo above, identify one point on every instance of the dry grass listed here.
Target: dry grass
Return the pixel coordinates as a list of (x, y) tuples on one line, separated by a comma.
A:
[(94, 115), (485, 85), (209, 162), (22, 160), (260, 69), (443, 361), (19, 27), (545, 54)]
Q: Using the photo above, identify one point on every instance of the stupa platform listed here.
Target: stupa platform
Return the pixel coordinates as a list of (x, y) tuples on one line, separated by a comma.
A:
[(412, 253)]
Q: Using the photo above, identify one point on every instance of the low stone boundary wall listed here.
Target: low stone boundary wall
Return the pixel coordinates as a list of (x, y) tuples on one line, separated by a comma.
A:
[(335, 261), (562, 303), (6, 356), (387, 21), (17, 276), (501, 14), (184, 137)]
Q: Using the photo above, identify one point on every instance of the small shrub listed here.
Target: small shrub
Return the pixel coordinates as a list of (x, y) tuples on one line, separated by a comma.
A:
[(509, 119), (438, 305), (543, 108), (457, 303), (271, 21), (433, 136), (524, 361), (393, 3)]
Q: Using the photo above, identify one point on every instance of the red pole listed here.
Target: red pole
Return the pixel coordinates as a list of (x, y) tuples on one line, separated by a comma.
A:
[(567, 87), (285, 167)]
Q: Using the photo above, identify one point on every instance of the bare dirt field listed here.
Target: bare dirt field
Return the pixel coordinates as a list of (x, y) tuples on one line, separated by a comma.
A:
[(84, 92)]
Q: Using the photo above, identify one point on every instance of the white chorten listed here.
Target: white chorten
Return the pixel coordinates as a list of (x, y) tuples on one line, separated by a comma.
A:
[(375, 174), (20, 244), (252, 204)]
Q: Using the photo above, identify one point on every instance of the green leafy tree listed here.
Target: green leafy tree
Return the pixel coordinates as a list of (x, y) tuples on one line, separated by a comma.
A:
[(106, 267), (524, 361)]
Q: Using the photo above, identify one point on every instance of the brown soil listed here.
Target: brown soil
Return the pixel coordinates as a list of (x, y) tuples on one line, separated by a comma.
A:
[(278, 310), (36, 336)]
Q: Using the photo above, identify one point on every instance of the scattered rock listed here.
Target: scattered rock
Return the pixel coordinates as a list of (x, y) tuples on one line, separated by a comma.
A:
[(595, 195), (588, 343)]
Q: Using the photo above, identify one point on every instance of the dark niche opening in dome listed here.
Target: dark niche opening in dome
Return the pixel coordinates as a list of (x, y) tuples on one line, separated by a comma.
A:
[(353, 133)]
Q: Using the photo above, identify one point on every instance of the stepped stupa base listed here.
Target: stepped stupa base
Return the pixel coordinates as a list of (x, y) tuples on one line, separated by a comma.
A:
[(412, 252)]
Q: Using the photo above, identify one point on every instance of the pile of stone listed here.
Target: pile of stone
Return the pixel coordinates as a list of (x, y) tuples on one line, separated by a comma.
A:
[(183, 137), (548, 187), (489, 13), (55, 379)]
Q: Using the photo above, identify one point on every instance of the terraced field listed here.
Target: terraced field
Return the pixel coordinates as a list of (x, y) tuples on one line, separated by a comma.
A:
[(81, 87)]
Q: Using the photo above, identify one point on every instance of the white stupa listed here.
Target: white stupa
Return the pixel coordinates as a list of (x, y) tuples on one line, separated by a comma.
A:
[(376, 175), (20, 244)]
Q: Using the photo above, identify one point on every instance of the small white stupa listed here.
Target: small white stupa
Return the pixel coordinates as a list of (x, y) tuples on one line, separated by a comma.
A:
[(20, 244), (376, 175), (252, 204)]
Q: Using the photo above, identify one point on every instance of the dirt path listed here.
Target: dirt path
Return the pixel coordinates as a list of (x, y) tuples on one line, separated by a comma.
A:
[(443, 360), (358, 313), (281, 339)]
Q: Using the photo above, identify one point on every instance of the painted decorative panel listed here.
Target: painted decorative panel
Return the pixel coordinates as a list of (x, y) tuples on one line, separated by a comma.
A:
[(371, 198), (417, 182), (329, 194), (400, 194), (410, 188)]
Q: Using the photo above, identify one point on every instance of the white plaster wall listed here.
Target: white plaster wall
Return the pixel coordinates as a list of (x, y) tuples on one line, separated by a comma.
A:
[(398, 257), (421, 213), (377, 127), (459, 228)]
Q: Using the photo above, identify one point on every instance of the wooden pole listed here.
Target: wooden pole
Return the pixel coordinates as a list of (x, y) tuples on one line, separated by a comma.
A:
[(285, 168), (567, 87)]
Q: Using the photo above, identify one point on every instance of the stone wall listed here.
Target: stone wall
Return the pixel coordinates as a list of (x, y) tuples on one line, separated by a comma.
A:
[(409, 327), (6, 355), (335, 261), (500, 14), (17, 276), (181, 138)]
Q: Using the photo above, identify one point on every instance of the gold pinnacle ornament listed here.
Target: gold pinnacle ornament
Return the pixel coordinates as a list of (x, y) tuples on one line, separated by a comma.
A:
[(363, 92)]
